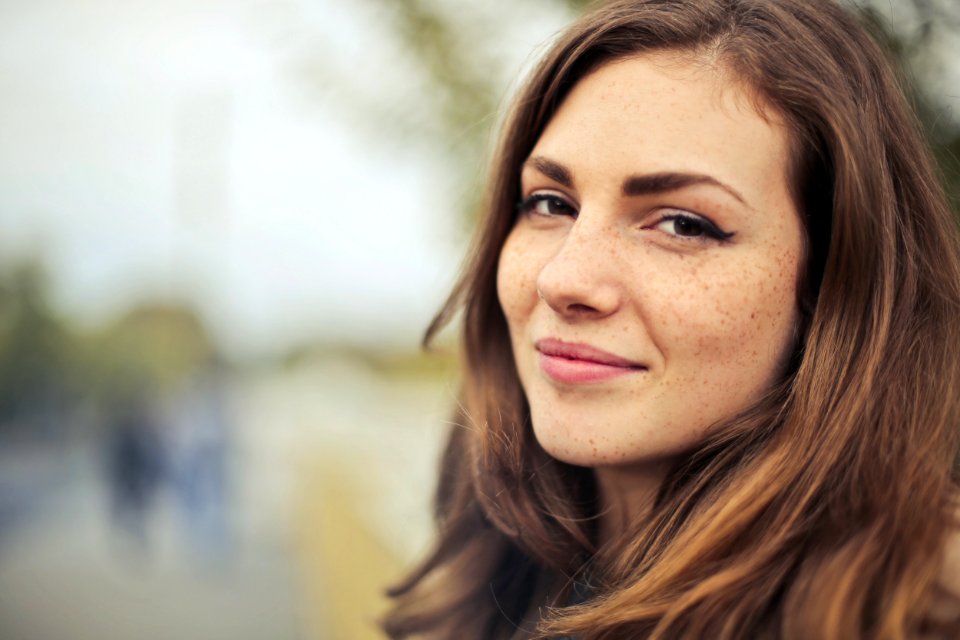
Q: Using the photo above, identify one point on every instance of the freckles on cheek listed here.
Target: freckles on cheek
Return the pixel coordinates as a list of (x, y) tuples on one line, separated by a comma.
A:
[(703, 307), (761, 318), (733, 314)]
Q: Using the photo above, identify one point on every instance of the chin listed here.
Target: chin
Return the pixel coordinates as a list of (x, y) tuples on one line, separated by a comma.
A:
[(574, 444), (594, 440)]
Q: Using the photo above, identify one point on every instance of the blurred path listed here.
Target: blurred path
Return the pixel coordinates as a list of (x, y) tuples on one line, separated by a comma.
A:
[(333, 465), (364, 446), (64, 575), (31, 475)]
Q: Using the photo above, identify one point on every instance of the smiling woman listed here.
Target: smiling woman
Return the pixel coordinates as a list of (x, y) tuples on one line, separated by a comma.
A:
[(711, 329), (646, 258)]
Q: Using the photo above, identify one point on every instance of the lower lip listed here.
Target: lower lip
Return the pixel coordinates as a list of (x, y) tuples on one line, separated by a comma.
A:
[(567, 371)]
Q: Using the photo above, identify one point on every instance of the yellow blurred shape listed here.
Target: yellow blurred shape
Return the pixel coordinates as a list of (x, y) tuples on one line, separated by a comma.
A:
[(345, 564)]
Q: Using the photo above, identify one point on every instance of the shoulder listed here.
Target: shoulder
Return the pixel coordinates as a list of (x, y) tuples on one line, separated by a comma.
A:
[(945, 605), (950, 572), (949, 581)]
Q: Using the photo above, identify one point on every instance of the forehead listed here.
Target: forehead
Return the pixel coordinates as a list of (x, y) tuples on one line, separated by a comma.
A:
[(669, 111)]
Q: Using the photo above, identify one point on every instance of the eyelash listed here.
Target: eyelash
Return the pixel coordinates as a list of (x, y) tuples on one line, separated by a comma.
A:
[(708, 229), (526, 206)]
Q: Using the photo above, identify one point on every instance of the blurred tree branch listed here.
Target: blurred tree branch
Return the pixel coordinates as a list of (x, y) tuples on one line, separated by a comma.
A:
[(453, 75), (453, 70), (919, 51)]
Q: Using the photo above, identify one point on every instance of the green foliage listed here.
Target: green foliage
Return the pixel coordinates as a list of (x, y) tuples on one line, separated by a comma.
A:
[(49, 370), (436, 86), (455, 59), (913, 51), (34, 346), (147, 351), (435, 365)]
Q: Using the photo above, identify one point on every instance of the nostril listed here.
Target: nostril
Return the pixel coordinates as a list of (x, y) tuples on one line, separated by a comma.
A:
[(580, 308)]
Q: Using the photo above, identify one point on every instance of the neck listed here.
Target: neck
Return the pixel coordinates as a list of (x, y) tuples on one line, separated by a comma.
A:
[(627, 495)]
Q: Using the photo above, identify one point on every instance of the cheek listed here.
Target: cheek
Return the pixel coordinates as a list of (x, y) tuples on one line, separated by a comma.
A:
[(517, 278), (737, 319)]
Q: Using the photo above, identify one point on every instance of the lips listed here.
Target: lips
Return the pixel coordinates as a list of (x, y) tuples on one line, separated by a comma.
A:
[(577, 363)]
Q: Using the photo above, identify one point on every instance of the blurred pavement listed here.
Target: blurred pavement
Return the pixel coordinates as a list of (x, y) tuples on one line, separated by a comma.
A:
[(66, 574), (331, 470)]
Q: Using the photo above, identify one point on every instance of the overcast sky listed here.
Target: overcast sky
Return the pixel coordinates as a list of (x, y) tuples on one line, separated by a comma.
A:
[(162, 149)]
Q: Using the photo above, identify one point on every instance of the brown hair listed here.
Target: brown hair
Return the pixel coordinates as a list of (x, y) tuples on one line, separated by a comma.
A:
[(821, 512)]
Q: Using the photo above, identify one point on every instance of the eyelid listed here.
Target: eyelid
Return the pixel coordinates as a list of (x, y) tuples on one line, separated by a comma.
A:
[(540, 195), (548, 192), (712, 231)]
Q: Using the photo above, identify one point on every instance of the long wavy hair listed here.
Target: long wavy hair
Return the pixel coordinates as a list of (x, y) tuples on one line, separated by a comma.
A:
[(821, 512)]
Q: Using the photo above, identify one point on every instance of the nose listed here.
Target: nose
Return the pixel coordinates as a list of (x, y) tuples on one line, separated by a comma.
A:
[(581, 279)]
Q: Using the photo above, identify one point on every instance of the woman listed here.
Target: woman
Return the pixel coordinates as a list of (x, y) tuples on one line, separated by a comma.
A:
[(710, 324)]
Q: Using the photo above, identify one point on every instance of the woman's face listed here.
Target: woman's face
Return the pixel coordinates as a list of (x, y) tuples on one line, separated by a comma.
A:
[(649, 283)]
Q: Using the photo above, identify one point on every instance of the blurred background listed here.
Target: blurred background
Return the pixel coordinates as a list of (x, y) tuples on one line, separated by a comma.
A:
[(223, 226)]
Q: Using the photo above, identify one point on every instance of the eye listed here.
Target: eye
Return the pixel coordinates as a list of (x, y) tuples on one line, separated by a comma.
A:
[(686, 225), (546, 204)]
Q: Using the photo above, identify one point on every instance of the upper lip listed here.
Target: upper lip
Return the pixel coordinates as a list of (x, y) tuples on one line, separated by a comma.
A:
[(579, 351)]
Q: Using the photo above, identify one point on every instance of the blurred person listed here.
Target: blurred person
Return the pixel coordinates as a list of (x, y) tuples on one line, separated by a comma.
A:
[(198, 446), (711, 325), (135, 465)]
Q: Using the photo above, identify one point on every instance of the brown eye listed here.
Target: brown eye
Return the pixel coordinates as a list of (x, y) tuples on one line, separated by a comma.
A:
[(687, 227), (546, 204)]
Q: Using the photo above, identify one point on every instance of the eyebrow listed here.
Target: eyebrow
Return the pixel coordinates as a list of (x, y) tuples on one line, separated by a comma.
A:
[(637, 185), (555, 171)]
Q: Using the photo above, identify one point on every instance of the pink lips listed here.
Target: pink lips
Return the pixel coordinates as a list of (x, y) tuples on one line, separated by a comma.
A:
[(572, 363)]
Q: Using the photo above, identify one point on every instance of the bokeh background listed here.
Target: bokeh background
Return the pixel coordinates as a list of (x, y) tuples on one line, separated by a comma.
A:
[(223, 226)]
